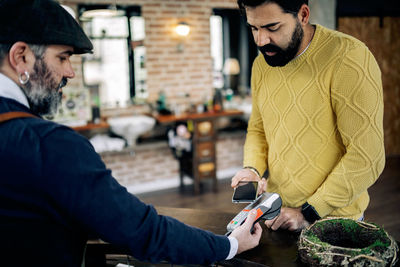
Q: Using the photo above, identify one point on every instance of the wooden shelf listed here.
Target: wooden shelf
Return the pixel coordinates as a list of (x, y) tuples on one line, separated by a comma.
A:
[(92, 126), (196, 116)]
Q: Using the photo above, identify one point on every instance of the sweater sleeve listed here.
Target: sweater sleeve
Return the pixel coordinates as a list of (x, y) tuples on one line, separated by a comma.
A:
[(91, 201), (357, 101), (256, 147)]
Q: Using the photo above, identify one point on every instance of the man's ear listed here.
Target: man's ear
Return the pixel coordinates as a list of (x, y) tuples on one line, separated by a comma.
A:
[(304, 14), (21, 57)]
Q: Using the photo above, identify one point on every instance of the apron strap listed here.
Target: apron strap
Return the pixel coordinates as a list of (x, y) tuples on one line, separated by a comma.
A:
[(15, 115)]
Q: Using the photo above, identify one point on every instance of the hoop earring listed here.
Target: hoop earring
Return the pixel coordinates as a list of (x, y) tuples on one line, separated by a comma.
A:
[(21, 78)]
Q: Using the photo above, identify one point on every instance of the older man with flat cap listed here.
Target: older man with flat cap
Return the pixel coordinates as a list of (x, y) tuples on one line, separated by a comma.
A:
[(55, 191)]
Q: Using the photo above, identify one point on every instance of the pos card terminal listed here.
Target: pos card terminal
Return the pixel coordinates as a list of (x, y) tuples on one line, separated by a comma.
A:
[(267, 205)]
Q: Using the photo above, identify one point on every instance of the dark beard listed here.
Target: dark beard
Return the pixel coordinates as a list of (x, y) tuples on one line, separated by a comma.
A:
[(42, 91), (283, 56)]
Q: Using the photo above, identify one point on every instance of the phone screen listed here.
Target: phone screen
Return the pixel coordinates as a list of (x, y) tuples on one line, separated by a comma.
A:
[(245, 192)]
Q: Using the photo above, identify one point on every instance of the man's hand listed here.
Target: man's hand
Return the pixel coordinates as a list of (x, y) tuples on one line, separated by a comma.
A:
[(246, 239), (247, 175), (244, 175), (290, 218)]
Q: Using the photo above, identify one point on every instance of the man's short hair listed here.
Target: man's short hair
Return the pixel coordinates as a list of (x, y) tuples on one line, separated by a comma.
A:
[(4, 48), (288, 6), (37, 50)]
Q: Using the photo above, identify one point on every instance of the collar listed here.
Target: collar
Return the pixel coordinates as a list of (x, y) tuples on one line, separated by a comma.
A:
[(9, 89), (305, 49)]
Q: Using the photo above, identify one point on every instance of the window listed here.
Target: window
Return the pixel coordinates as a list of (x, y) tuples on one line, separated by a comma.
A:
[(115, 73)]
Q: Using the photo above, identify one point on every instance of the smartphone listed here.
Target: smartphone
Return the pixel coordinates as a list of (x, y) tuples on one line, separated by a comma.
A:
[(245, 192)]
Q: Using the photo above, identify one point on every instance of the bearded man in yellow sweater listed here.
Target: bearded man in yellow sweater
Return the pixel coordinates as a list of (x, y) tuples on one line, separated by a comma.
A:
[(317, 112)]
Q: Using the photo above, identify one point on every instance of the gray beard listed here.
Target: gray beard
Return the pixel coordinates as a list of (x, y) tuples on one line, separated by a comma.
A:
[(42, 91), (43, 102)]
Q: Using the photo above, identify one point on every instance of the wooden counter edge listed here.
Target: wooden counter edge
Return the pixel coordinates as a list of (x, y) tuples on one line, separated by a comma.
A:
[(91, 126), (197, 116)]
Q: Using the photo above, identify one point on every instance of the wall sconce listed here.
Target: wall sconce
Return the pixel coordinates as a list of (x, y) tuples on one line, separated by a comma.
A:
[(182, 30)]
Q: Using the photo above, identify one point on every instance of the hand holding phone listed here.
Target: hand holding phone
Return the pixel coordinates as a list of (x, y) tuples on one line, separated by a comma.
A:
[(245, 192), (244, 175)]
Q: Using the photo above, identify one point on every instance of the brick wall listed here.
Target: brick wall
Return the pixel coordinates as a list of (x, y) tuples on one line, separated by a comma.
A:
[(189, 71), (153, 167)]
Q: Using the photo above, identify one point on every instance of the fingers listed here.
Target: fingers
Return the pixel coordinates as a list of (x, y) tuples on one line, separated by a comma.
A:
[(278, 222), (235, 180), (250, 219), (262, 186), (289, 225), (246, 239), (270, 223), (256, 234), (289, 218), (243, 174), (257, 230)]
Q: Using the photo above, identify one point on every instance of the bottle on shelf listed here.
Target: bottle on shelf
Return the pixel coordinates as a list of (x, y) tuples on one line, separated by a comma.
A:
[(217, 101)]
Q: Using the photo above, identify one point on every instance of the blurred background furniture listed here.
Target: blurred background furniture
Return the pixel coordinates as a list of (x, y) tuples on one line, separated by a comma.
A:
[(200, 162)]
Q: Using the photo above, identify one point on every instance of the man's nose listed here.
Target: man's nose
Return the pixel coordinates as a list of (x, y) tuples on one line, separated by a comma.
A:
[(262, 38), (69, 71)]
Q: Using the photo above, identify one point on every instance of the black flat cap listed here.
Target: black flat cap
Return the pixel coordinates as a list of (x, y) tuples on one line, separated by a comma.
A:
[(41, 22)]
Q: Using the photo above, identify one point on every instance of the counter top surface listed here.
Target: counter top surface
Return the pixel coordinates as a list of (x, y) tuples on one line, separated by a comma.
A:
[(276, 248)]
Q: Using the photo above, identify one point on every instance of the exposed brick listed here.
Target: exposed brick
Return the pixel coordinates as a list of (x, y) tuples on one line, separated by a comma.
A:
[(173, 6), (150, 5), (160, 18), (189, 71), (155, 162)]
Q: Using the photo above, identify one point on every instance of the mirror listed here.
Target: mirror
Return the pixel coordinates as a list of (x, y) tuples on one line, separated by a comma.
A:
[(232, 50), (115, 73)]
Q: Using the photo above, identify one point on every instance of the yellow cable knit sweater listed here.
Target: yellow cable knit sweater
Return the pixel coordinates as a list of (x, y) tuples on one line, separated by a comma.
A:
[(316, 125)]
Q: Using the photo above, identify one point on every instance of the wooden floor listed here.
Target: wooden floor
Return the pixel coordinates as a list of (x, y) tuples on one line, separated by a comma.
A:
[(384, 208)]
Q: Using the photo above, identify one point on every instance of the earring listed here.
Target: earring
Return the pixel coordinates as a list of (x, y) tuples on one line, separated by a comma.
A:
[(23, 78)]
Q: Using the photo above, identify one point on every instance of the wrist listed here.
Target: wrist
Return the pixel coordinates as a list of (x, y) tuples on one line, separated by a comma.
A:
[(253, 170), (233, 248), (310, 213)]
